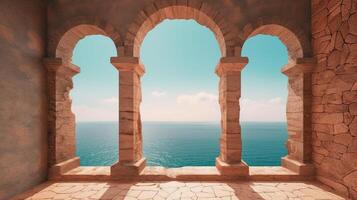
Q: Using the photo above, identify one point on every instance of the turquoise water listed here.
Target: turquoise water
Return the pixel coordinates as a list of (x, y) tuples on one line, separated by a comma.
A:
[(182, 144)]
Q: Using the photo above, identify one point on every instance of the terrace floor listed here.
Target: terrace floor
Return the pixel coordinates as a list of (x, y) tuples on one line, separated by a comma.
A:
[(242, 190)]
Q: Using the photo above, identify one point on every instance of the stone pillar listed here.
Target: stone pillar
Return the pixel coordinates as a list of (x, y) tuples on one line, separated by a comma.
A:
[(298, 113), (230, 160), (131, 160), (61, 120)]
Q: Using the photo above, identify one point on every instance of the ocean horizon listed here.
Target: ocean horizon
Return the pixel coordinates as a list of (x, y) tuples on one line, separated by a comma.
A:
[(178, 144)]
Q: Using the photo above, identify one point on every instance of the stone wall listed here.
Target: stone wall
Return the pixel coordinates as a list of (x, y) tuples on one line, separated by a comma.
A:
[(334, 31), (128, 21), (23, 141)]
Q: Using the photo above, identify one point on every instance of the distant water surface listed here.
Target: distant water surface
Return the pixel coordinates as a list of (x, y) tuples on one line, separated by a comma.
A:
[(177, 144)]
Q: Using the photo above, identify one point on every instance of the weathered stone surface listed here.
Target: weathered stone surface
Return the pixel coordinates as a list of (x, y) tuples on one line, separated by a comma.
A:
[(324, 128), (344, 139), (340, 128), (229, 94), (336, 108), (23, 100), (328, 118), (352, 24), (350, 97), (332, 99), (323, 77), (334, 59), (23, 30), (182, 190), (339, 97), (353, 127)]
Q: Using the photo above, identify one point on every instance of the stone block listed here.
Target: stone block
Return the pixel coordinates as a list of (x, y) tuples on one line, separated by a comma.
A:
[(324, 128), (352, 24), (127, 126), (328, 118), (126, 141), (344, 139), (340, 128), (230, 127), (353, 127), (129, 105), (126, 155), (57, 170), (332, 99), (350, 97), (231, 141), (122, 169), (240, 169), (305, 169), (318, 109), (335, 108), (353, 109)]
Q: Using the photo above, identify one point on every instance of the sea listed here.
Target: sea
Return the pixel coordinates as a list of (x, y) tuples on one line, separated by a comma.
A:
[(178, 144)]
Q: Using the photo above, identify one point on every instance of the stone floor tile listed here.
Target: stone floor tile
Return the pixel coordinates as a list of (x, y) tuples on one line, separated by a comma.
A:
[(179, 190)]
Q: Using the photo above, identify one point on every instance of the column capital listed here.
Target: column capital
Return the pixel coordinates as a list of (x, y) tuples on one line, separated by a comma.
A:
[(301, 66), (128, 64), (56, 65), (231, 64)]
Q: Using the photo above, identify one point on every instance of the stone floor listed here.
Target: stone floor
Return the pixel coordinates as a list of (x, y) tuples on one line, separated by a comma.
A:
[(179, 190)]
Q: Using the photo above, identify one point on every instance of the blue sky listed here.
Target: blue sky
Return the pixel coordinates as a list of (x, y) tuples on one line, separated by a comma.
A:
[(180, 57)]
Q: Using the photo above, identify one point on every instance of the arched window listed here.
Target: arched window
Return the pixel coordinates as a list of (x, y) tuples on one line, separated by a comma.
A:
[(180, 109), (95, 101), (263, 102)]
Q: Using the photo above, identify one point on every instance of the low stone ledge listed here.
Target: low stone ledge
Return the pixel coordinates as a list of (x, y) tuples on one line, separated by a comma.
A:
[(240, 169), (120, 170), (298, 167), (58, 170), (209, 173)]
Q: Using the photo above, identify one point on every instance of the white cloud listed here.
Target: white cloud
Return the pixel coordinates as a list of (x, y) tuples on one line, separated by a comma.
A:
[(201, 106), (198, 98), (258, 110), (95, 113), (158, 93)]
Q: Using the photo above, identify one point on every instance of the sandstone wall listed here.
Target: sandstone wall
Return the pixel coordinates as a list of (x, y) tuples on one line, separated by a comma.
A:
[(121, 19), (334, 31), (23, 141)]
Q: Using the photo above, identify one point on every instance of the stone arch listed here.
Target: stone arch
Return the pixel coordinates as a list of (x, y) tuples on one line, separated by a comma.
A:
[(69, 40), (286, 36), (61, 70), (298, 108), (203, 13)]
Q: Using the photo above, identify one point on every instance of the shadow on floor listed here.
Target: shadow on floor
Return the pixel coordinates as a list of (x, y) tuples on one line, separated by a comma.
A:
[(179, 190)]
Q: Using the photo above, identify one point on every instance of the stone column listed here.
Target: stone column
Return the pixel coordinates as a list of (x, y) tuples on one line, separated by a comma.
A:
[(61, 120), (230, 160), (131, 160), (298, 112)]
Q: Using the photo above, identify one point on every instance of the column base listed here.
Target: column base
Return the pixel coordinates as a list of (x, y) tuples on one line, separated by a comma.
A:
[(63, 167), (298, 167), (128, 169), (239, 169)]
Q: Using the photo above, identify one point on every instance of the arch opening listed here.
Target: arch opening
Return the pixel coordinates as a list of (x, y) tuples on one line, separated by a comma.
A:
[(180, 109), (65, 113), (95, 101), (286, 36), (69, 40), (263, 102), (224, 34)]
